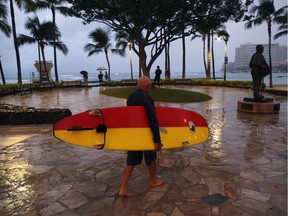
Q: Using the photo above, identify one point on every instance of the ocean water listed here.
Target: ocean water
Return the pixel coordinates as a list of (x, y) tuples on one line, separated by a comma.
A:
[(278, 78)]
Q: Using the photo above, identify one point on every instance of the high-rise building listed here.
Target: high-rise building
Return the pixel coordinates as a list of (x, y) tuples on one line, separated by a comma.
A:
[(244, 53)]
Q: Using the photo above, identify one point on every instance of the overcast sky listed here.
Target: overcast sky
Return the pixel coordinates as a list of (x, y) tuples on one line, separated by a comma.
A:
[(75, 36)]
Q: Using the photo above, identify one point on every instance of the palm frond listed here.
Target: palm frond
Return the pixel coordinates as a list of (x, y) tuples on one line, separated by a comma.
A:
[(25, 39), (5, 27)]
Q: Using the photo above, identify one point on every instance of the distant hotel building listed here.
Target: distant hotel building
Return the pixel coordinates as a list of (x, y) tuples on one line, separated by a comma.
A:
[(244, 53)]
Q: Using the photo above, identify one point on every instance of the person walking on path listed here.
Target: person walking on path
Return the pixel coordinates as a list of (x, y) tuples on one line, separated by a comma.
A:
[(141, 98), (158, 73), (259, 69)]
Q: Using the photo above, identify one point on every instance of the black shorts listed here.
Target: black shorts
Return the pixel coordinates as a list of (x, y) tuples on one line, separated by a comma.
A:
[(135, 157)]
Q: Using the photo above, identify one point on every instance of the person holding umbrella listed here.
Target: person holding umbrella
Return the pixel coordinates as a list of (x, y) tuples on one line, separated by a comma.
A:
[(85, 77)]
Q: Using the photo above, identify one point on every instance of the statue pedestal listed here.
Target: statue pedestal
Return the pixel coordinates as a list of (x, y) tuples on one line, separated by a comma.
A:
[(266, 105)]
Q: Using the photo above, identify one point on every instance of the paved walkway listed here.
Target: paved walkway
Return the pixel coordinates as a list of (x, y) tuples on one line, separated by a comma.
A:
[(240, 170)]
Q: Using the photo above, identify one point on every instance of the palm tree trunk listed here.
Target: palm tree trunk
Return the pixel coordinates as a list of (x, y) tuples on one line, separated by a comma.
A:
[(108, 63), (2, 73), (204, 56), (213, 59), (19, 74), (39, 58), (208, 57), (44, 61), (54, 45), (184, 56), (168, 60), (270, 58)]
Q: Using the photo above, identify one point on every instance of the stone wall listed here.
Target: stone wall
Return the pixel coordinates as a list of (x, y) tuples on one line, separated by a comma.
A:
[(18, 115)]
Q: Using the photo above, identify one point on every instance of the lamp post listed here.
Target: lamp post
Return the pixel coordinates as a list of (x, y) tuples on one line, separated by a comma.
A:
[(223, 35), (130, 51), (225, 58)]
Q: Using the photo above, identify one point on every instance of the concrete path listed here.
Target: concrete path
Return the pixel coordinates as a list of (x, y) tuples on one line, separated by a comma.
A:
[(240, 170)]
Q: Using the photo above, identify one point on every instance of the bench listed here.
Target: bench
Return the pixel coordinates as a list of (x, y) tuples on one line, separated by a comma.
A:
[(46, 85), (24, 88), (74, 83), (129, 82), (183, 81)]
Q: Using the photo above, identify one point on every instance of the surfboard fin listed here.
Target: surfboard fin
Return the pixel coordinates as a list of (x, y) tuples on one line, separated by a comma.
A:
[(99, 146)]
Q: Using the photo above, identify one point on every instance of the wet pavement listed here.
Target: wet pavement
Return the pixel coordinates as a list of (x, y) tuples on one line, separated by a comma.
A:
[(240, 170)]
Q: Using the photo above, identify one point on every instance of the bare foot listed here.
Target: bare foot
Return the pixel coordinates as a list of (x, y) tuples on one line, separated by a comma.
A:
[(126, 194), (156, 183)]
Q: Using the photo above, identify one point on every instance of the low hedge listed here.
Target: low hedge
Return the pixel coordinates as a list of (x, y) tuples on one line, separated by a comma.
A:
[(9, 88)]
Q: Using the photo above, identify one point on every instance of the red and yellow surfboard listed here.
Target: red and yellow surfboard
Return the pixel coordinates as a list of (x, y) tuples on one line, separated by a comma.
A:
[(127, 128)]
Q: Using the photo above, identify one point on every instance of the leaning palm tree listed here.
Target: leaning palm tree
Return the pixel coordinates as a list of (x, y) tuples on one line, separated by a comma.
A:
[(4, 26), (265, 12), (53, 5), (42, 34), (101, 43)]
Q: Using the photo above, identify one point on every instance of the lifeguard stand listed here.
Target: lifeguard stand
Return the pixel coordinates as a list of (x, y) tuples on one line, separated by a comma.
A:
[(44, 76)]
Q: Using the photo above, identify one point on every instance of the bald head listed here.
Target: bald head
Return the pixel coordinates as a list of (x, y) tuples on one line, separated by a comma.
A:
[(144, 83)]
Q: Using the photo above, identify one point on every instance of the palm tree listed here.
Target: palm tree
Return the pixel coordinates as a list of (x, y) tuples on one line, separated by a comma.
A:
[(4, 26), (224, 35), (43, 34), (28, 6), (122, 41), (6, 29), (202, 34), (54, 5), (265, 12), (101, 43), (282, 20)]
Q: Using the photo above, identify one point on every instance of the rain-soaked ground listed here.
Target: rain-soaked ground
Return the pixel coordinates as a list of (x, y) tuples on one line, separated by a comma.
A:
[(240, 170)]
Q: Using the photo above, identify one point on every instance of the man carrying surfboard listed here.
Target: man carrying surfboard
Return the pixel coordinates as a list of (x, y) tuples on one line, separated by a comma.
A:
[(141, 97)]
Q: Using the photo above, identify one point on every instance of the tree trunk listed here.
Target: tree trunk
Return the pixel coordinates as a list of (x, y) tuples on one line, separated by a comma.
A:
[(204, 56), (270, 58), (108, 63), (54, 46), (208, 57), (184, 56), (167, 59), (143, 58), (2, 73), (19, 74), (213, 59), (44, 61), (39, 57)]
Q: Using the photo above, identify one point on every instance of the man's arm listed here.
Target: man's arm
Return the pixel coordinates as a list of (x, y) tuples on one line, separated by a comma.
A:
[(153, 121)]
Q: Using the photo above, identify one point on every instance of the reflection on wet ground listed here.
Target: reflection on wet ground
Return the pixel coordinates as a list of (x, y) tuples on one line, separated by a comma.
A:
[(240, 170)]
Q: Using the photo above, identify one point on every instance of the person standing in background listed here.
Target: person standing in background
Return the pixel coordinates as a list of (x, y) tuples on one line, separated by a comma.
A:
[(158, 73)]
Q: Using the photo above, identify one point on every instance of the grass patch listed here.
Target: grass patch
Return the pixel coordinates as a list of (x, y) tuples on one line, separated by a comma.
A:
[(161, 94)]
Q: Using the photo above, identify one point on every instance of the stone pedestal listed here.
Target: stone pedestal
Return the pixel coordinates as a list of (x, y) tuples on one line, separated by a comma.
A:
[(267, 105)]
